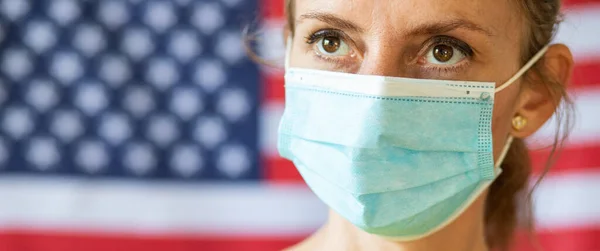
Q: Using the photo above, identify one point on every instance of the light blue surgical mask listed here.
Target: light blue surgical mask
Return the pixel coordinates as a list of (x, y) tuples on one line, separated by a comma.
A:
[(397, 157)]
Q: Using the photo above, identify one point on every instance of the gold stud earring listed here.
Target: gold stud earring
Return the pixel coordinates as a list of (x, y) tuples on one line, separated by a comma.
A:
[(519, 122)]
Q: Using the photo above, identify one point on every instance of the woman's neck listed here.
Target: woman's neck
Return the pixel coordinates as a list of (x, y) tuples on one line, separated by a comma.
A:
[(466, 233)]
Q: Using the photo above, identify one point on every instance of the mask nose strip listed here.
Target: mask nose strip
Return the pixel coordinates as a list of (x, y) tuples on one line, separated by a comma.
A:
[(485, 96)]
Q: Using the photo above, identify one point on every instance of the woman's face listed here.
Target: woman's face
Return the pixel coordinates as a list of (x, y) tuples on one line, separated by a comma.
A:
[(476, 40)]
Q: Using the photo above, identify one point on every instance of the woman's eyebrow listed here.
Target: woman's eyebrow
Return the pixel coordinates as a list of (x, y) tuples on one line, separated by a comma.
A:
[(446, 26), (424, 29), (332, 20)]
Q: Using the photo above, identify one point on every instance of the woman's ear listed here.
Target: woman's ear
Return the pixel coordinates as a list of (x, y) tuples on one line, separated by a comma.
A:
[(540, 97)]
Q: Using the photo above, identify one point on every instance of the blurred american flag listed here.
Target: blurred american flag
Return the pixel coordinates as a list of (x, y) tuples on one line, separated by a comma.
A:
[(142, 125)]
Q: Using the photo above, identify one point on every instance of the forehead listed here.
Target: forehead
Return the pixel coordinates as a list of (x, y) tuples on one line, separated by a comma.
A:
[(500, 17)]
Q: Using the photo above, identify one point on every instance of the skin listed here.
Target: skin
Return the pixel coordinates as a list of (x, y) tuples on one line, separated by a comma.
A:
[(393, 38)]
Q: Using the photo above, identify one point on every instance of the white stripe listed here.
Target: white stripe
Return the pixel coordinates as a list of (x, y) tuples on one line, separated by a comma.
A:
[(270, 115), (566, 201), (580, 31), (156, 208), (586, 123)]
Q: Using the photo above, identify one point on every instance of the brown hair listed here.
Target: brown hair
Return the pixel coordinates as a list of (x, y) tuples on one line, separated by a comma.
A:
[(509, 195), (509, 191)]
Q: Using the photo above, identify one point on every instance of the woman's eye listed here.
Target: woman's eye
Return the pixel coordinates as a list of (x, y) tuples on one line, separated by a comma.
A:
[(332, 46), (442, 54)]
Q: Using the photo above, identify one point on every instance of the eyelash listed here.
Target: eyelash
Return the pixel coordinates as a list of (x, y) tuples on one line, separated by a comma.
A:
[(315, 36), (463, 47), (427, 46), (320, 34), (455, 43)]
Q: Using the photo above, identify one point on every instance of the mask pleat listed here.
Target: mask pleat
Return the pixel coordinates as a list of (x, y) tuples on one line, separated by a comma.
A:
[(369, 174)]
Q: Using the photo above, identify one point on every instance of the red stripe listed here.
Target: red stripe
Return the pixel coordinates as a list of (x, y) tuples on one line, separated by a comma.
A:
[(570, 159), (555, 240), (55, 241), (272, 9), (578, 3), (279, 170), (274, 90), (561, 240), (586, 74)]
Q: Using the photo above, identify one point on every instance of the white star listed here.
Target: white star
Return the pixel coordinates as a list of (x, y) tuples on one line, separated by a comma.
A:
[(186, 160), (91, 98), (184, 45), (233, 161), (210, 75), (64, 11), (207, 17), (16, 63), (40, 36), (234, 104), (137, 43), (42, 95), (210, 131), (162, 130), (14, 9), (114, 70), (89, 39), (160, 15), (17, 122), (186, 102), (115, 128), (66, 67), (43, 153), (162, 73), (229, 47), (139, 101), (92, 156), (139, 158), (66, 125), (113, 13)]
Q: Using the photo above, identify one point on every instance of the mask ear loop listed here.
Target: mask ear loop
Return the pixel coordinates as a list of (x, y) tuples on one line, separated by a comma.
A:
[(288, 52), (524, 69), (504, 152), (519, 74)]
